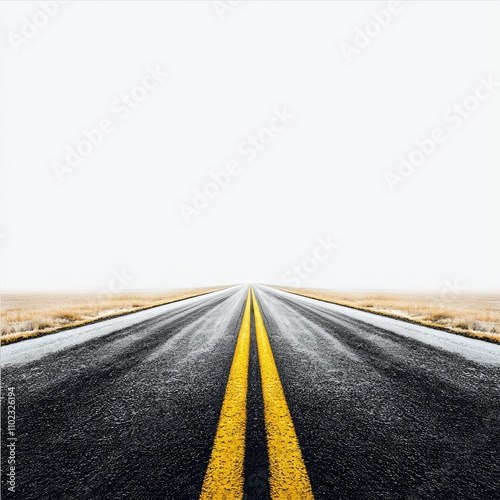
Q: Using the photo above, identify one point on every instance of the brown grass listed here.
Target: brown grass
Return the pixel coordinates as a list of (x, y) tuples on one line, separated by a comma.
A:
[(472, 314), (27, 315)]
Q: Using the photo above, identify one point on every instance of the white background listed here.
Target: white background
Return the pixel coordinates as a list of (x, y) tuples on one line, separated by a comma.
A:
[(322, 176)]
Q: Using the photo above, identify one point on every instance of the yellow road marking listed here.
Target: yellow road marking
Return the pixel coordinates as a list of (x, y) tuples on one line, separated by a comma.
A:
[(224, 476), (289, 479)]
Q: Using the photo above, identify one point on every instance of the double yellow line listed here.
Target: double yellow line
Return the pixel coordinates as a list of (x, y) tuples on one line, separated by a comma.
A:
[(224, 477)]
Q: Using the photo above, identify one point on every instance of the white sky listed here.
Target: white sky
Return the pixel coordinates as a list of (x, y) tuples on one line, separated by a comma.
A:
[(323, 175)]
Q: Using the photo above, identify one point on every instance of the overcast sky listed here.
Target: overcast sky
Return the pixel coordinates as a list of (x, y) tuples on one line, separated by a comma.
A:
[(119, 117)]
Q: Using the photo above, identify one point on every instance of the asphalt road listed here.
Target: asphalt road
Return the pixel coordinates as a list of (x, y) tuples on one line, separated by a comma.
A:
[(129, 408)]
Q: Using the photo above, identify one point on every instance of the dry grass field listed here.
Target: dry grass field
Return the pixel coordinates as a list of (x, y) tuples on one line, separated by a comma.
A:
[(26, 315), (475, 315)]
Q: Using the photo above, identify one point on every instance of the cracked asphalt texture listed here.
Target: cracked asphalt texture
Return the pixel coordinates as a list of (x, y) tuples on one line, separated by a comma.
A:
[(380, 413)]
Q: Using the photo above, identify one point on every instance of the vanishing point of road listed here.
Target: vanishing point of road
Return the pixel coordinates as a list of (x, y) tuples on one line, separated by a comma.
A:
[(253, 393)]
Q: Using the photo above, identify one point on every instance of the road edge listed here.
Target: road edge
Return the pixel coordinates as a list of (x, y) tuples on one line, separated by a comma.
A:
[(463, 333), (19, 337)]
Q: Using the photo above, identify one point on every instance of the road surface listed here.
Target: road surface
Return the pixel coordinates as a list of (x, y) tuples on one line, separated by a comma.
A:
[(318, 401)]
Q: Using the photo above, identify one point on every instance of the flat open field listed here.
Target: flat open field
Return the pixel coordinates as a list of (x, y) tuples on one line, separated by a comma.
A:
[(472, 314), (26, 315)]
